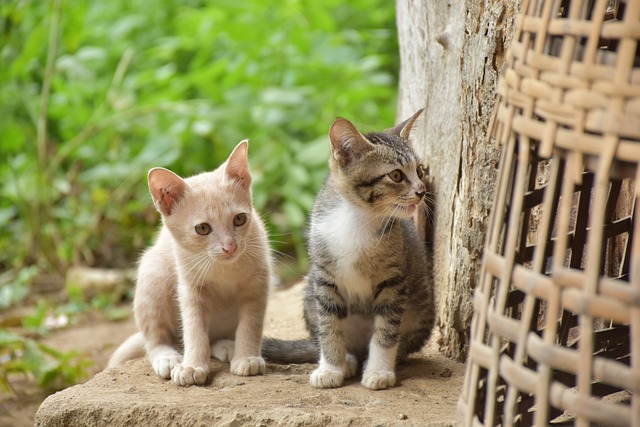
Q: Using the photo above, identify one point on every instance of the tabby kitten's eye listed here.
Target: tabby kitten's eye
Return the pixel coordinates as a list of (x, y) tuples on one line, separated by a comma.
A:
[(239, 219), (396, 175), (420, 171), (203, 229)]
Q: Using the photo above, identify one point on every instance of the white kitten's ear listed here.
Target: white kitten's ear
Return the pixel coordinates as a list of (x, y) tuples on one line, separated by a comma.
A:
[(166, 188), (347, 143), (404, 129), (237, 168)]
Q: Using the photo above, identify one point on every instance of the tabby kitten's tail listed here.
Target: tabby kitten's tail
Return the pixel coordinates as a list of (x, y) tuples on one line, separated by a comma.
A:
[(290, 351)]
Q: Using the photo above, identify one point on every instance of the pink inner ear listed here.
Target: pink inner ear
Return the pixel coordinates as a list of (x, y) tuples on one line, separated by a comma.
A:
[(242, 177), (237, 167), (166, 188), (167, 199)]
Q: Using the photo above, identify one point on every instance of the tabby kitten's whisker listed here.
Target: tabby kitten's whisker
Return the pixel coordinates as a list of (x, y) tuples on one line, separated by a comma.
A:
[(386, 226)]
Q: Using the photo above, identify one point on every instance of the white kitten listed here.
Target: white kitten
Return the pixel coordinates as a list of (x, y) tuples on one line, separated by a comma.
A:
[(204, 283)]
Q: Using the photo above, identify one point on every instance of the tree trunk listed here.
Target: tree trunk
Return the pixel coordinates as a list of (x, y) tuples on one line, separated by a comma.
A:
[(451, 53)]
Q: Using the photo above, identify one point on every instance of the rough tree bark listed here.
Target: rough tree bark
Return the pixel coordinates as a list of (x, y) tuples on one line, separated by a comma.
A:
[(451, 53)]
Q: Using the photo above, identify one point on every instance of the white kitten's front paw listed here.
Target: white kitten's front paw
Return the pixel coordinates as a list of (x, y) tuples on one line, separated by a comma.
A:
[(327, 377), (164, 364), (378, 380), (189, 375), (245, 366), (223, 350)]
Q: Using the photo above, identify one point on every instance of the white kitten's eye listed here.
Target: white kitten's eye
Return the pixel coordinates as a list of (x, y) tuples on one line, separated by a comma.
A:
[(239, 219), (203, 229), (396, 175)]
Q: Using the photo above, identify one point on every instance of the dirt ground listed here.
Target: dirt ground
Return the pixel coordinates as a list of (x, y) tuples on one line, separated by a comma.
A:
[(429, 385)]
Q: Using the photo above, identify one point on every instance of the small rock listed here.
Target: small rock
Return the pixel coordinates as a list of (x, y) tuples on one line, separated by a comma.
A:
[(97, 281), (446, 373), (403, 416), (239, 382)]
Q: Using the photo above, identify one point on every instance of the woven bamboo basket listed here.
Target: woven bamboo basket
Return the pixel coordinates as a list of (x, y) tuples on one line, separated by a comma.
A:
[(555, 336)]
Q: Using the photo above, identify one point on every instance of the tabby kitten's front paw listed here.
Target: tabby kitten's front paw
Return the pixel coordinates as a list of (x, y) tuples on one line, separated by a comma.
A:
[(189, 375), (327, 377), (245, 366), (378, 380)]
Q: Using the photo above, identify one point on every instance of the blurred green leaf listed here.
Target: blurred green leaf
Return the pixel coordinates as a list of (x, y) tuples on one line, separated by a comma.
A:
[(51, 368), (14, 287)]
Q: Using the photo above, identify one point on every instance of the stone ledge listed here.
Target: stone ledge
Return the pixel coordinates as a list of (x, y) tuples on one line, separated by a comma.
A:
[(426, 394), (134, 395)]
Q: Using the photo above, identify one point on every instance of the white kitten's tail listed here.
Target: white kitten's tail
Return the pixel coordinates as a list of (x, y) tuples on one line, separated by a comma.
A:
[(132, 348)]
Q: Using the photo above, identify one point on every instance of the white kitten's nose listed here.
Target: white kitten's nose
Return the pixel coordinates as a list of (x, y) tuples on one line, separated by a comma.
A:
[(229, 247)]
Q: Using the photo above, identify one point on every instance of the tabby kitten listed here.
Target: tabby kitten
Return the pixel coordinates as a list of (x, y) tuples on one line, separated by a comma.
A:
[(369, 293), (204, 283)]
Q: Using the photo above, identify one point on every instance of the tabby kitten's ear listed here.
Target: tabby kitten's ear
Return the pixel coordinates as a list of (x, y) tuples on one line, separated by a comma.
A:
[(347, 143), (404, 129), (237, 167), (166, 188)]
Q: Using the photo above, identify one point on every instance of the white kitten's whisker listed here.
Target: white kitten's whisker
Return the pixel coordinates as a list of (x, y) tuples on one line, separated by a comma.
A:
[(192, 263), (277, 241), (252, 253), (205, 269), (199, 269), (282, 254), (282, 263), (185, 264), (279, 234), (263, 216), (253, 240), (199, 281), (189, 264)]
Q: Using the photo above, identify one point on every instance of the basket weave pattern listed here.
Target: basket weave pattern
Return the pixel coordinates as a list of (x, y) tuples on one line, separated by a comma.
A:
[(556, 330)]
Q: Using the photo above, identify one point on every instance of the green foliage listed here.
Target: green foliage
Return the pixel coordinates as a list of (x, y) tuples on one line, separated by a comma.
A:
[(94, 93), (51, 369), (15, 285), (48, 315)]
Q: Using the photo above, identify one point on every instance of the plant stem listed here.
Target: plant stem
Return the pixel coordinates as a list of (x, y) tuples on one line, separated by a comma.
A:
[(43, 206)]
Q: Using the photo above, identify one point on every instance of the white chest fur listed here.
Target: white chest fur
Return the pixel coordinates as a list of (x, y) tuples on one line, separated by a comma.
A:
[(348, 232)]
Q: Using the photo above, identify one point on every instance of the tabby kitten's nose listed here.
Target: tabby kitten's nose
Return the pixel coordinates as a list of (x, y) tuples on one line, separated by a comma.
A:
[(420, 194)]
